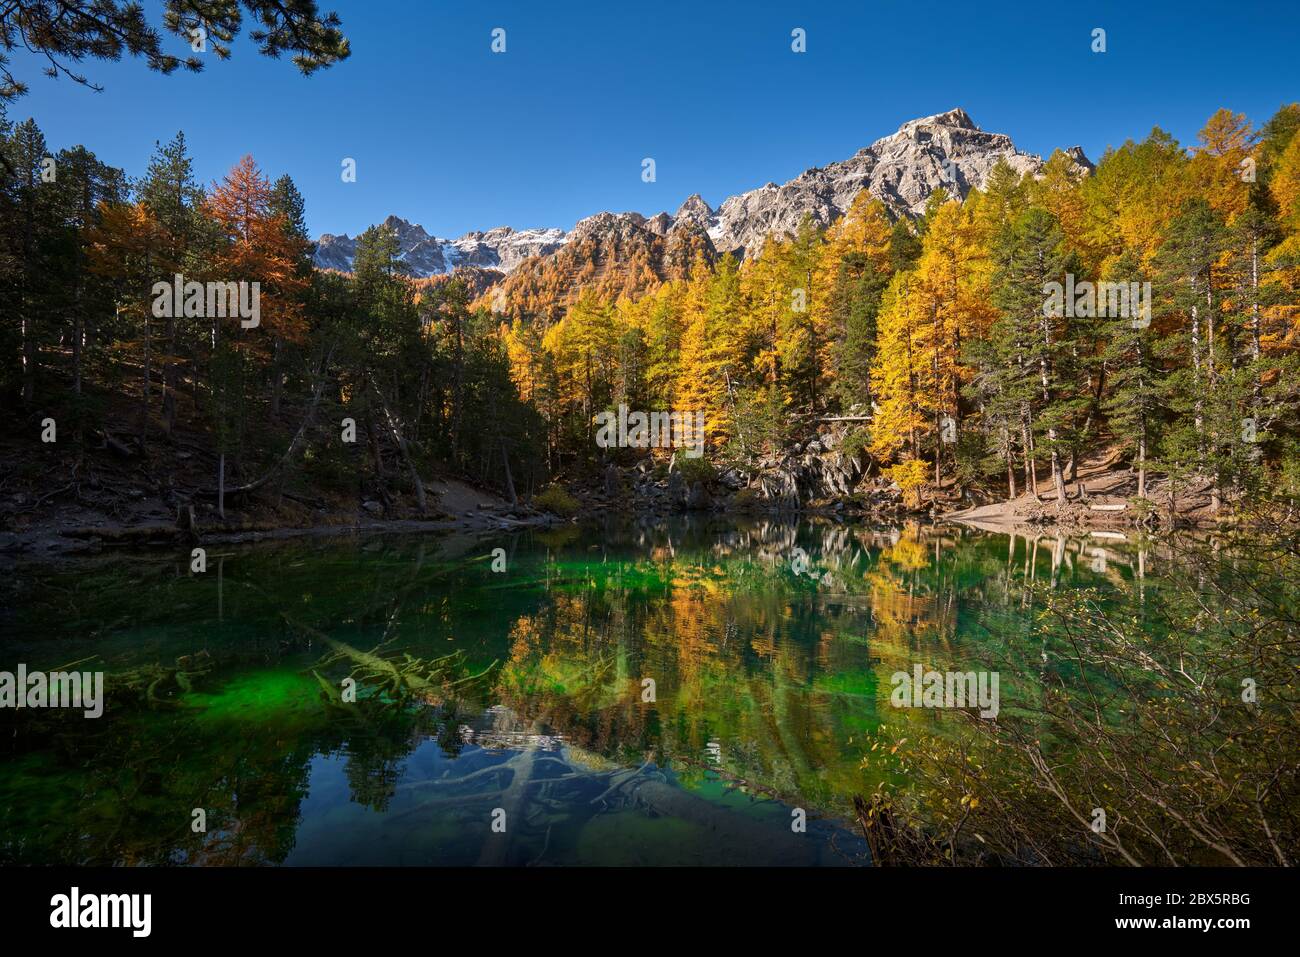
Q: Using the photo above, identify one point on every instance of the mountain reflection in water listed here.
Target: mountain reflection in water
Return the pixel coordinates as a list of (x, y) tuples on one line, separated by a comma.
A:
[(676, 692)]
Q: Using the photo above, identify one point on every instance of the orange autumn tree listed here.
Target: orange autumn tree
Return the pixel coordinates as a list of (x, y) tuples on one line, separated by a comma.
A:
[(899, 377), (132, 250), (259, 247), (708, 346), (1223, 162), (927, 315), (1283, 260)]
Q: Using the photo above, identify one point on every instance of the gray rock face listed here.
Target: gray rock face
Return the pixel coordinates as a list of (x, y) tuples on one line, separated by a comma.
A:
[(335, 252), (901, 170), (1076, 153), (501, 248), (695, 210), (512, 246), (660, 224), (697, 498), (620, 225), (796, 476), (421, 252), (945, 150)]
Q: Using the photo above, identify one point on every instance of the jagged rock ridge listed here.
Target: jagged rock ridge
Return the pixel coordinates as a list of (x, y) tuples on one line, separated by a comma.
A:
[(903, 169), (612, 254), (502, 248)]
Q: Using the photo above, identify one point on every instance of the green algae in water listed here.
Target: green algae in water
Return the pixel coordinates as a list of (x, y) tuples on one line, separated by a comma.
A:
[(280, 698), (773, 681)]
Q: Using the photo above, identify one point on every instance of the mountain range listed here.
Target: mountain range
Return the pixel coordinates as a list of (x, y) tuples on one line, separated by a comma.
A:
[(945, 150)]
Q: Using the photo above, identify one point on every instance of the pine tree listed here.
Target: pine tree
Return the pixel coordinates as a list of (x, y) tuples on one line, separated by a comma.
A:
[(1133, 400), (287, 202), (1222, 162), (33, 231), (256, 247), (1187, 277), (68, 31), (904, 247), (83, 186), (1131, 198), (584, 347), (854, 302), (174, 199), (802, 330), (1036, 340), (131, 250)]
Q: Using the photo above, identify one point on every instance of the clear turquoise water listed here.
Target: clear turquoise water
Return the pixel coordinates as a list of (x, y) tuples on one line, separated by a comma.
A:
[(768, 681)]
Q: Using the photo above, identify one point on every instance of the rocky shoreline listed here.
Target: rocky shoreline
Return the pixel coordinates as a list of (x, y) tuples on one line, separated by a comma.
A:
[(818, 478), (823, 477), (72, 531)]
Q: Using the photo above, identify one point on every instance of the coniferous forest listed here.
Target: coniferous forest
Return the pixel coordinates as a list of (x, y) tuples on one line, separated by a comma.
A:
[(895, 326)]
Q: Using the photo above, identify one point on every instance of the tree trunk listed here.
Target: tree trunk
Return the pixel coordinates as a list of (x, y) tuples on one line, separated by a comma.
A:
[(169, 379), (510, 482), (376, 457), (148, 384), (26, 302), (1196, 374), (405, 451), (1045, 377), (1011, 464), (1142, 465), (277, 378), (1027, 440)]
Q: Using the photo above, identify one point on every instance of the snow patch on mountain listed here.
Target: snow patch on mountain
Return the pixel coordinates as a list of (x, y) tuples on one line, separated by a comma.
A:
[(946, 150), (502, 248)]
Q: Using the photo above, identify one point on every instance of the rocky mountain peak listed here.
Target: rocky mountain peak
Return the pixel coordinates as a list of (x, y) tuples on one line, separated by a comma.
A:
[(695, 208), (946, 150), (406, 232), (609, 224), (659, 224), (956, 117), (1076, 153), (501, 248), (902, 170)]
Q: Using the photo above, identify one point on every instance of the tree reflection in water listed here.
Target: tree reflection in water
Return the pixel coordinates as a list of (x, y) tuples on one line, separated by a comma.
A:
[(525, 692)]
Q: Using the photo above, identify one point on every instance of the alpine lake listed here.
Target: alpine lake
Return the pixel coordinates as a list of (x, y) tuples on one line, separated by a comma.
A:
[(687, 691)]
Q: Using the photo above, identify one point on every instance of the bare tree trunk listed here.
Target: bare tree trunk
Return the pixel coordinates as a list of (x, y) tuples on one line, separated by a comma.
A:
[(148, 384), (1216, 494), (1011, 464), (938, 450), (1142, 465), (1044, 372), (1257, 385), (169, 378), (510, 482), (1058, 476), (293, 444), (404, 449), (277, 378), (372, 440), (1027, 440), (1196, 373), (25, 298)]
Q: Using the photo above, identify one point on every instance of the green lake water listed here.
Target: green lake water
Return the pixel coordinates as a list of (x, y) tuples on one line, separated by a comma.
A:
[(770, 674)]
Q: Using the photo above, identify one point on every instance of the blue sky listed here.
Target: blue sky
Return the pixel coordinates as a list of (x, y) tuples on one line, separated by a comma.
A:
[(450, 135)]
